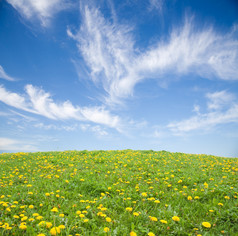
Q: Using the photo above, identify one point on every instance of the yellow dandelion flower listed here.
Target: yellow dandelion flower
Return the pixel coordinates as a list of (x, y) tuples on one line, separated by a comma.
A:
[(190, 198), (61, 215), (24, 218), (55, 231), (152, 218), (175, 218), (144, 194), (61, 226), (106, 229), (206, 224), (42, 223), (151, 234), (132, 233), (48, 225), (55, 209), (23, 227), (135, 213), (129, 209), (163, 221), (108, 219)]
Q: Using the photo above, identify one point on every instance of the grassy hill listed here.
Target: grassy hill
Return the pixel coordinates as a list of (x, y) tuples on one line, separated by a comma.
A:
[(117, 193)]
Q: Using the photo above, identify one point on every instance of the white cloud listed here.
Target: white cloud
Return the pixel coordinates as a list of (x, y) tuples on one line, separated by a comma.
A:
[(7, 144), (196, 109), (39, 102), (219, 100), (157, 5), (98, 130), (214, 116), (192, 51), (13, 99), (4, 75), (43, 10), (56, 127), (109, 51)]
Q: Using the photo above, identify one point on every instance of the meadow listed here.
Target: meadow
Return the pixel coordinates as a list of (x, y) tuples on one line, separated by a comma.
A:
[(117, 193)]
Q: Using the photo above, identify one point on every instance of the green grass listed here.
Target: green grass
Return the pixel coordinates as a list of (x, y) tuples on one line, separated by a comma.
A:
[(120, 191)]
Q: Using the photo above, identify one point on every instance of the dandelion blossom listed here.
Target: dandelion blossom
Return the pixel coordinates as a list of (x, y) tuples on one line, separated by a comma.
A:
[(190, 198), (55, 209), (129, 209), (61, 227), (144, 194), (106, 229), (132, 233), (206, 224), (48, 225), (23, 227), (163, 221), (175, 218), (55, 231), (152, 218)]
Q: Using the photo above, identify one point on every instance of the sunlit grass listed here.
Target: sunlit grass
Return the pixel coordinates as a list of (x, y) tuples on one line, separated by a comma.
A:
[(117, 193)]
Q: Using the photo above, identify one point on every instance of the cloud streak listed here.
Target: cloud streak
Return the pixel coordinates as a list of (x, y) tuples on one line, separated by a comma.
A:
[(42, 10), (37, 101), (157, 5), (4, 75), (222, 109), (108, 48)]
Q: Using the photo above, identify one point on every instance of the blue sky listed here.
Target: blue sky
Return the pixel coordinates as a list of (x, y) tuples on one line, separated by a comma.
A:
[(109, 74)]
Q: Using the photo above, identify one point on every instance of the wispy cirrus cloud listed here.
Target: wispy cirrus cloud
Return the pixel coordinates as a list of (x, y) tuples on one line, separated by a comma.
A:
[(220, 99), (157, 5), (42, 10), (4, 75), (37, 101), (222, 108), (108, 48)]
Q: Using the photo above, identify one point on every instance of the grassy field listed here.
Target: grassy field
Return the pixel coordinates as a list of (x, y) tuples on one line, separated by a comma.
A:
[(117, 193)]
